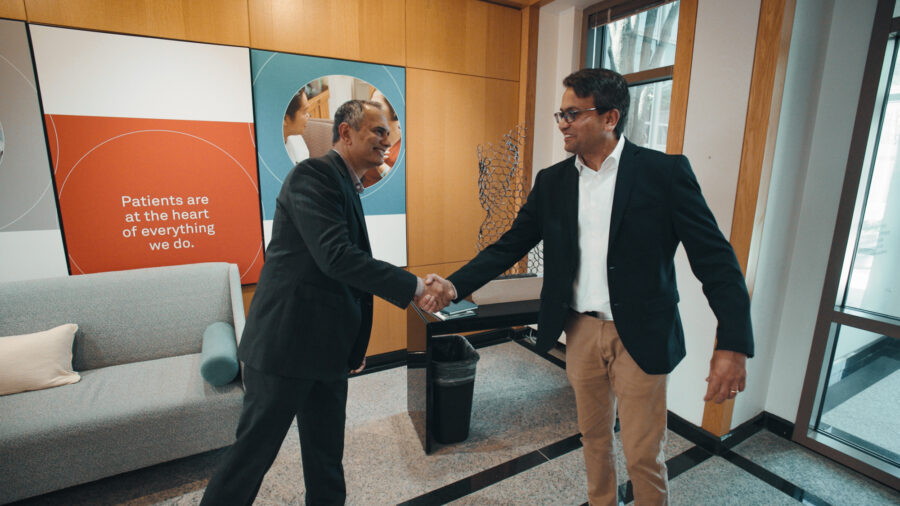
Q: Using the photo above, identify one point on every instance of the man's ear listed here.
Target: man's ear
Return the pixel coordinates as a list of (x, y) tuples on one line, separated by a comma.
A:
[(612, 118), (344, 132)]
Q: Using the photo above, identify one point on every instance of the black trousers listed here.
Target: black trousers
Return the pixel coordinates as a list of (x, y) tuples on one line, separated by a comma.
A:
[(270, 404)]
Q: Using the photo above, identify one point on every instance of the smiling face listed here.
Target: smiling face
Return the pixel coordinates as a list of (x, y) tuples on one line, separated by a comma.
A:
[(367, 147), (589, 132)]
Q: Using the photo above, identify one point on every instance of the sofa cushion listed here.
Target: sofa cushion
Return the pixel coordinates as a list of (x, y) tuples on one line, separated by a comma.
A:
[(38, 360), (219, 355), (131, 415)]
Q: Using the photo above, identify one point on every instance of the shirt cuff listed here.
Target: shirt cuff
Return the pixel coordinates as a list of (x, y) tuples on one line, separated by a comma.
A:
[(420, 286)]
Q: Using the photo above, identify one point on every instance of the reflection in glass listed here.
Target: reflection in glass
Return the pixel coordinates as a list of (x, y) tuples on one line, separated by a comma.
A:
[(874, 281), (648, 118), (861, 404), (641, 42)]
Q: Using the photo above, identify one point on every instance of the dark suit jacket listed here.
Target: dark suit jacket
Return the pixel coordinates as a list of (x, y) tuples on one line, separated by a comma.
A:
[(311, 315), (657, 204)]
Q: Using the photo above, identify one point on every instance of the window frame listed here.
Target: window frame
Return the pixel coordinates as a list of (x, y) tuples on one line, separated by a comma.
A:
[(616, 10), (831, 312)]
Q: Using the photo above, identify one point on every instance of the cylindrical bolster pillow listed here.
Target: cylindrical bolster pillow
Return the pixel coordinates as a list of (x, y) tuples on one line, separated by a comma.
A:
[(219, 363)]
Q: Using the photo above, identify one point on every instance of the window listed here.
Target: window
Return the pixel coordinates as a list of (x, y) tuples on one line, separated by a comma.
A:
[(850, 396), (638, 43)]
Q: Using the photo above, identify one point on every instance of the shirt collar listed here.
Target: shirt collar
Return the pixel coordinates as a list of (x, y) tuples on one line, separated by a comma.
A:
[(357, 184), (612, 159)]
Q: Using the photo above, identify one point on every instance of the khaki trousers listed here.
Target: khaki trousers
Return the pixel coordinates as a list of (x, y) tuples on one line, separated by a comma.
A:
[(601, 372)]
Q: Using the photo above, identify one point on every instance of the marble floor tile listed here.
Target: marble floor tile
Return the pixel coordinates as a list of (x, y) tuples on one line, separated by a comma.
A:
[(716, 481), (814, 473), (522, 402), (561, 481)]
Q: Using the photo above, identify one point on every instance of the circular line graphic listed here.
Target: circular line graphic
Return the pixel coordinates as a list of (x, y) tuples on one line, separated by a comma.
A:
[(72, 170)]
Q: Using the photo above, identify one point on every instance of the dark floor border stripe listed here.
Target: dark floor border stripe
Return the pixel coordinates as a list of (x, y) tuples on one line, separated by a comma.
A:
[(496, 474), (773, 479)]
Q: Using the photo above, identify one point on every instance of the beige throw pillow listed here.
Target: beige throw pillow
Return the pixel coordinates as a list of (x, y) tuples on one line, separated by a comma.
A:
[(37, 361)]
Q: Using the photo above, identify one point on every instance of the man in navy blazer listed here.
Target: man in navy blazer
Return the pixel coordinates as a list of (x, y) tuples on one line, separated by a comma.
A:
[(611, 218), (311, 315)]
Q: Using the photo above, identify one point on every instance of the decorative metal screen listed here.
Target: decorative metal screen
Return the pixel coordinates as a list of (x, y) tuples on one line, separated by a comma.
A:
[(502, 191)]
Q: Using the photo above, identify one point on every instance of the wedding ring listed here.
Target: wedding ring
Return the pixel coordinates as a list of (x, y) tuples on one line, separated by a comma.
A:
[(734, 392)]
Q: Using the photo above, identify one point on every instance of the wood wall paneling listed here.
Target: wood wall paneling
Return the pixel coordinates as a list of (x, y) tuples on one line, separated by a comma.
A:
[(216, 21), (388, 328), (12, 9), (527, 84), (364, 30), (448, 115), (681, 75), (464, 36), (760, 130)]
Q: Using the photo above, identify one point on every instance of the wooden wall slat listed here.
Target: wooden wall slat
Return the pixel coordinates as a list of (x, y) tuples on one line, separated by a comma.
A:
[(465, 37), (12, 9), (448, 115), (363, 30), (216, 21), (681, 75)]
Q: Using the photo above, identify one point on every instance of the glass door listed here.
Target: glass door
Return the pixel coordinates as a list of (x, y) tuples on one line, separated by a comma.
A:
[(851, 399)]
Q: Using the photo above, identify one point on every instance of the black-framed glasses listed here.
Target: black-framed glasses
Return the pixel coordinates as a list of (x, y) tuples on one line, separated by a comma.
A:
[(571, 114)]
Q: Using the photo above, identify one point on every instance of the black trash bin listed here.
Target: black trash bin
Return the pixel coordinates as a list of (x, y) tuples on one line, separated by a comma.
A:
[(454, 359)]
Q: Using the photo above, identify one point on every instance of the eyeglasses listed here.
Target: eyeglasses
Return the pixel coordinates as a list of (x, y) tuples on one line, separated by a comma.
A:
[(571, 114)]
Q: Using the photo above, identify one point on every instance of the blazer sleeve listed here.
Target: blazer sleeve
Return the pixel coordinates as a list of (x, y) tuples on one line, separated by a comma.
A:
[(522, 236), (317, 206), (712, 260)]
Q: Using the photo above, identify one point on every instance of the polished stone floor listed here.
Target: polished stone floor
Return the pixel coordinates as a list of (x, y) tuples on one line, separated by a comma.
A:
[(523, 448)]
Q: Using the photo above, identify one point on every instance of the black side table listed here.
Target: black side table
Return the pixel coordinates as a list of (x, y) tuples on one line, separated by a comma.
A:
[(422, 326)]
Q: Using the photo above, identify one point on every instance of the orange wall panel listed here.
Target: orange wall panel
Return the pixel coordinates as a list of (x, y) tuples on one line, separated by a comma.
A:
[(448, 116), (216, 21), (364, 30), (464, 36), (12, 9)]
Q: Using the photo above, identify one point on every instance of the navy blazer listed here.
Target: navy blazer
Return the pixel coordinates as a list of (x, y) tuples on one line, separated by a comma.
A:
[(657, 204), (311, 315)]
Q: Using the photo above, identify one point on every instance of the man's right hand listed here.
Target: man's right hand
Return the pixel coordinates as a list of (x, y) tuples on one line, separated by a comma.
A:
[(437, 295)]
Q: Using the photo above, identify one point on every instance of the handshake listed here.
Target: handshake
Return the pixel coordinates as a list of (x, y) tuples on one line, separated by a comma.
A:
[(437, 295)]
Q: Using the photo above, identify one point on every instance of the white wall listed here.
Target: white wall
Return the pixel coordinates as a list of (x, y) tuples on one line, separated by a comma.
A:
[(713, 139), (559, 43), (829, 46)]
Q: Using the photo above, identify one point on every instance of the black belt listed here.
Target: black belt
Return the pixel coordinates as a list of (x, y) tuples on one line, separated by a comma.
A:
[(596, 314)]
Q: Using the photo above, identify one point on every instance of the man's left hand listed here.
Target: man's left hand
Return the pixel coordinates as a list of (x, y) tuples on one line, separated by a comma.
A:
[(360, 368), (727, 376)]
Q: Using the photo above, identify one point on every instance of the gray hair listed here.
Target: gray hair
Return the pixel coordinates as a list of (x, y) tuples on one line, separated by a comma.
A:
[(350, 112)]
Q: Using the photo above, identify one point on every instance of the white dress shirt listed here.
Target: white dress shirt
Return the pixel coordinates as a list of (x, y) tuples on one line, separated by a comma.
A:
[(595, 200)]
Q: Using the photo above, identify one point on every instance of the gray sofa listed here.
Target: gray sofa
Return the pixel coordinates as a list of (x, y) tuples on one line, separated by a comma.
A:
[(141, 399)]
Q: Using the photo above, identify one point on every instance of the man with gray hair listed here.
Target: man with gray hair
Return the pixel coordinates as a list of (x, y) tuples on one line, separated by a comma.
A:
[(311, 315)]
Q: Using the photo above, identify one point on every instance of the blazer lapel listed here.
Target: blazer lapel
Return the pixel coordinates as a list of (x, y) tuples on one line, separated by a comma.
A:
[(569, 194), (624, 182)]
